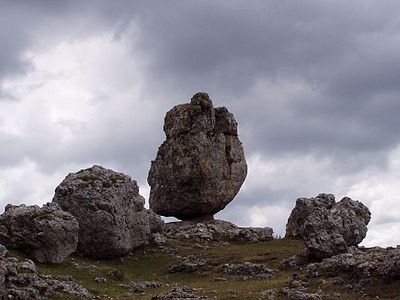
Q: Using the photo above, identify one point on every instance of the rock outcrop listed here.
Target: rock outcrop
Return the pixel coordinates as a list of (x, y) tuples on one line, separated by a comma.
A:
[(46, 234), (361, 264), (110, 211), (217, 230), (201, 166), (21, 280), (328, 228), (247, 270), (178, 293)]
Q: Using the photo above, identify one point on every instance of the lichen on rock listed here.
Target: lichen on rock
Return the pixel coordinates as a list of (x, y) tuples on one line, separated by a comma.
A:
[(47, 234), (110, 211), (200, 167), (328, 228)]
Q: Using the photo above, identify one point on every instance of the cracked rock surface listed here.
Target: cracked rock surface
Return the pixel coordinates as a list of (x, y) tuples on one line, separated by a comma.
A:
[(328, 227), (200, 167), (47, 234), (110, 211)]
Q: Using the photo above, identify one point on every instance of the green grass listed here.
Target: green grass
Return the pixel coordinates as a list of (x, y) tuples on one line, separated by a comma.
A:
[(152, 264)]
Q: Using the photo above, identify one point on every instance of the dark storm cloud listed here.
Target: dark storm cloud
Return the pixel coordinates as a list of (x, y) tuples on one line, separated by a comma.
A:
[(345, 53), (22, 22), (310, 77)]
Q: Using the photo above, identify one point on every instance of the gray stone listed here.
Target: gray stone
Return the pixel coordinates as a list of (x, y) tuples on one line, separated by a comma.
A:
[(188, 264), (46, 234), (328, 228), (254, 234), (141, 286), (269, 294), (177, 293), (156, 228), (21, 280), (66, 285), (216, 230), (109, 209), (3, 251), (201, 166), (361, 264), (299, 294), (247, 270)]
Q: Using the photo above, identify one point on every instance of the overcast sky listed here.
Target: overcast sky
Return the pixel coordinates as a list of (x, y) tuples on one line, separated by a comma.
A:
[(314, 86)]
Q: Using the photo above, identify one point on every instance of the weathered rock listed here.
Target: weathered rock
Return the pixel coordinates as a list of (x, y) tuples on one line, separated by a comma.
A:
[(141, 287), (156, 228), (295, 262), (201, 166), (299, 294), (20, 280), (3, 250), (46, 234), (66, 285), (352, 218), (180, 293), (188, 264), (247, 270), (361, 264), (328, 228), (109, 209), (269, 294), (217, 230)]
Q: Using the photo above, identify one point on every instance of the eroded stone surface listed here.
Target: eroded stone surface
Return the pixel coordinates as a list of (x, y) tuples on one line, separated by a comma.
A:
[(110, 212), (46, 234), (217, 230), (247, 270), (328, 228), (201, 166), (188, 264), (21, 280), (183, 293), (361, 263)]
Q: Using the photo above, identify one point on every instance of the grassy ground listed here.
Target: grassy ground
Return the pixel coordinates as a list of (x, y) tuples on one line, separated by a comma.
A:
[(152, 264)]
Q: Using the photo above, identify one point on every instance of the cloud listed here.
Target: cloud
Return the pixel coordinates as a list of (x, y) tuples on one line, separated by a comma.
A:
[(314, 87)]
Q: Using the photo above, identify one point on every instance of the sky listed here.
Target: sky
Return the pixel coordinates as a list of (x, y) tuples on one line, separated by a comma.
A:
[(314, 86)]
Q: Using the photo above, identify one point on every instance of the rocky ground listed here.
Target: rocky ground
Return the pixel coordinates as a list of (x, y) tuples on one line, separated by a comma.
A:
[(187, 269)]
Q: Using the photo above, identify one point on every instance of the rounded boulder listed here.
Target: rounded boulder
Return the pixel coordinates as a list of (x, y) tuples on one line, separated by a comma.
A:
[(109, 209), (201, 166)]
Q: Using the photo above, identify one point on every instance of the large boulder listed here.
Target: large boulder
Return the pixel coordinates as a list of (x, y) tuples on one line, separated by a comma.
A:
[(328, 228), (201, 166), (109, 209), (46, 234)]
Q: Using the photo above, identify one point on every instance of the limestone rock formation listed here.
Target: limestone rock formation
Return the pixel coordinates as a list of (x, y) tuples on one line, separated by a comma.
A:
[(247, 270), (201, 166), (21, 280), (328, 228), (361, 264), (109, 209), (46, 234), (217, 230), (178, 293)]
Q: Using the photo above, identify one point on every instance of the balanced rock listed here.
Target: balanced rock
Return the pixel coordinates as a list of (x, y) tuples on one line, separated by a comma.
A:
[(46, 234), (201, 166), (109, 209), (328, 228)]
